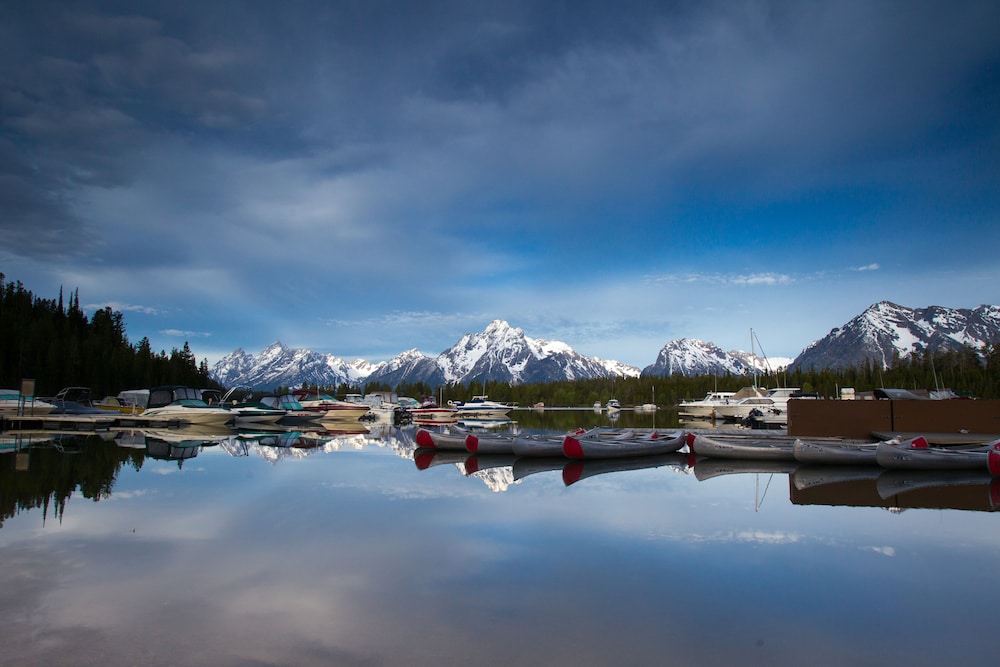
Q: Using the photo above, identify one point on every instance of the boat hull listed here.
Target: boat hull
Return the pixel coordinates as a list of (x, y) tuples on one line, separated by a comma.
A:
[(756, 450), (835, 453), (579, 447), (905, 456)]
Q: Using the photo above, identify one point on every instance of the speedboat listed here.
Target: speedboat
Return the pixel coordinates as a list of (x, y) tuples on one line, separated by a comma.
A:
[(13, 403), (429, 411), (75, 401), (247, 411), (182, 405), (328, 406), (295, 413)]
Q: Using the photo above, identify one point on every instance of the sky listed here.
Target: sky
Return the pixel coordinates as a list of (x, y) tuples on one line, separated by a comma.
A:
[(363, 177)]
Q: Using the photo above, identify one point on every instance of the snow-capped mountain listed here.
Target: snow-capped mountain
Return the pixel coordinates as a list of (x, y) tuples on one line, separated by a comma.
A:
[(503, 353), (499, 353), (691, 357), (278, 365), (885, 329)]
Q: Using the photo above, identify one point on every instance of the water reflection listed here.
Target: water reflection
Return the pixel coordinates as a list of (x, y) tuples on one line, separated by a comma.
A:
[(318, 548), (861, 486)]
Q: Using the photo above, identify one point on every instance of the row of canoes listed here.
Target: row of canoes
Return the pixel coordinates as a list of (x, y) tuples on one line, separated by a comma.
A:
[(910, 454), (603, 443), (599, 443)]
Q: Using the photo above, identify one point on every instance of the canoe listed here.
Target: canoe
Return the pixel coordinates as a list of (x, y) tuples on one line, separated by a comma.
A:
[(993, 462), (441, 440), (535, 446), (765, 449), (916, 454), (835, 453), (579, 469), (491, 443), (580, 447)]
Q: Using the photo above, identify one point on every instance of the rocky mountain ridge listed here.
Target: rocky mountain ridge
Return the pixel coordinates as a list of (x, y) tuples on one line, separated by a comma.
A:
[(502, 353)]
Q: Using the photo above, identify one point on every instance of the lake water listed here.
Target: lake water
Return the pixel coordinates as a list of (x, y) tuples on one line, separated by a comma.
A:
[(342, 551)]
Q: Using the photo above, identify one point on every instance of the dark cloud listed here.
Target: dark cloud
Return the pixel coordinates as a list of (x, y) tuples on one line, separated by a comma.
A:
[(154, 134)]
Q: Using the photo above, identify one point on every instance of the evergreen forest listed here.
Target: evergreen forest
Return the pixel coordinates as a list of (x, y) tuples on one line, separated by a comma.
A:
[(53, 342)]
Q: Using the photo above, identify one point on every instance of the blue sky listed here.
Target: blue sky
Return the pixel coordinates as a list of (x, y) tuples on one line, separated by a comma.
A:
[(362, 178)]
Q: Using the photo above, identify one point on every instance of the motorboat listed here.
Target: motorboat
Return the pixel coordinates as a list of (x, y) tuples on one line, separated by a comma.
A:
[(184, 405), (247, 411), (115, 404), (480, 407), (773, 403), (705, 407), (613, 404), (127, 402), (328, 406), (428, 410), (74, 401), (12, 404), (294, 413)]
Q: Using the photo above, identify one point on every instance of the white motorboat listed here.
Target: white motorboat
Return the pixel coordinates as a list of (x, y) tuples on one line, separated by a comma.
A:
[(705, 407), (773, 403), (331, 408), (13, 404), (184, 405), (480, 407), (428, 410)]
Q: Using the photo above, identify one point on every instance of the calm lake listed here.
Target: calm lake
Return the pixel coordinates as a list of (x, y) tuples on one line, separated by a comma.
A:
[(137, 548)]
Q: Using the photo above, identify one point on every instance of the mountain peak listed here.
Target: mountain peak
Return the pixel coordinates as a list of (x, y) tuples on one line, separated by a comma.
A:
[(498, 353), (886, 330)]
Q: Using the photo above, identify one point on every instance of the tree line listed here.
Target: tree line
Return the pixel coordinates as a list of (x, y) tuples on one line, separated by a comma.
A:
[(967, 371), (57, 345), (53, 342)]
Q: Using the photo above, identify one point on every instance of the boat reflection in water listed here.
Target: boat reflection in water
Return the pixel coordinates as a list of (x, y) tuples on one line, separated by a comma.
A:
[(580, 469), (498, 471), (895, 489), (172, 444)]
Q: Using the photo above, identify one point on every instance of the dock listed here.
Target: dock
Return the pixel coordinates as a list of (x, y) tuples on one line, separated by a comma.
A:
[(58, 422)]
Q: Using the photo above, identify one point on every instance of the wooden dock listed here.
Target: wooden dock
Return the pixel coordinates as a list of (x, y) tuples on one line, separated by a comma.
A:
[(58, 422)]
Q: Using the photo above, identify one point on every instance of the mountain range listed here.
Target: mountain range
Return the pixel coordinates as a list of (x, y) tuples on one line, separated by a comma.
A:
[(886, 329), (502, 353)]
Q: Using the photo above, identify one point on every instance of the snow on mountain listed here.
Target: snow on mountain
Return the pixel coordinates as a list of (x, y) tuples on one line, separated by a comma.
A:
[(886, 329), (499, 353), (504, 353), (278, 365), (691, 357)]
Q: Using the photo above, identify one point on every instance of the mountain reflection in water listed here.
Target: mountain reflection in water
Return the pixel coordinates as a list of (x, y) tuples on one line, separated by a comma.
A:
[(354, 547)]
